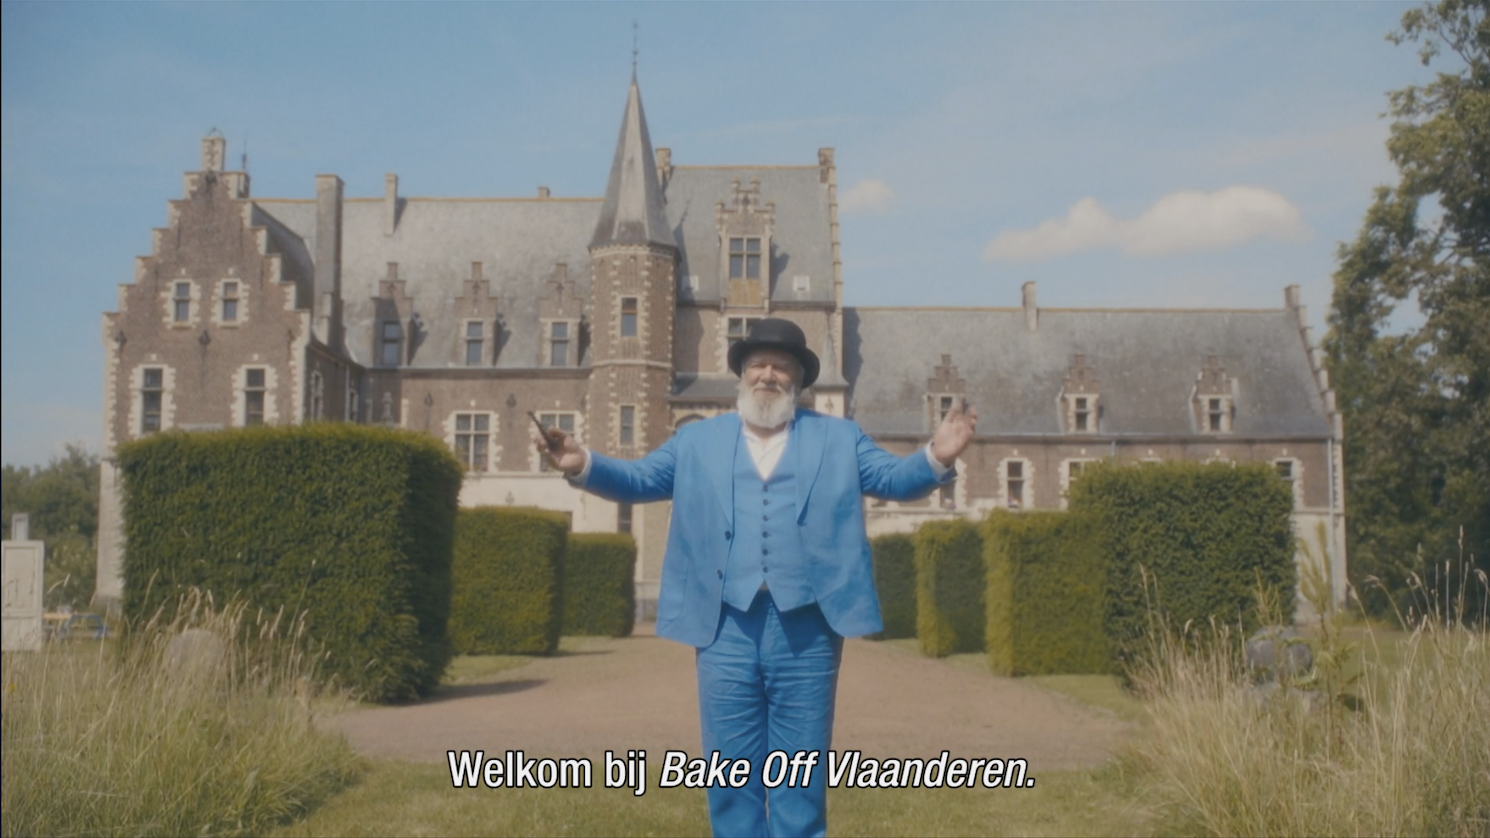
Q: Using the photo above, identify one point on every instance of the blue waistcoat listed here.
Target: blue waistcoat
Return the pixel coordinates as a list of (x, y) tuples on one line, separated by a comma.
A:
[(767, 548)]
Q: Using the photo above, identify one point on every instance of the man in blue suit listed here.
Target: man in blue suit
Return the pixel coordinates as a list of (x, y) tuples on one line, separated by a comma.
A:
[(767, 566)]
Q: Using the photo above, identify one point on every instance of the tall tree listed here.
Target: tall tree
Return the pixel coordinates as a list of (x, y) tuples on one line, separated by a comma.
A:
[(1417, 401)]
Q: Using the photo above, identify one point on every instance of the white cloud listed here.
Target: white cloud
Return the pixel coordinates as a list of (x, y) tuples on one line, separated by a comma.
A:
[(1179, 221), (869, 195)]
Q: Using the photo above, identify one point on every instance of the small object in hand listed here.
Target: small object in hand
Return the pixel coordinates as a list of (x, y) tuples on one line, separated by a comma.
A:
[(553, 436)]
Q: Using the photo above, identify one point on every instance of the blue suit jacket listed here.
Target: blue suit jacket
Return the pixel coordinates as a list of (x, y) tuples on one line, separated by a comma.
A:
[(836, 465)]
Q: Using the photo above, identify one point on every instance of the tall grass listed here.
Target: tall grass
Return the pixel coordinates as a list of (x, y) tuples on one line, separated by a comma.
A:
[(142, 737), (1399, 746)]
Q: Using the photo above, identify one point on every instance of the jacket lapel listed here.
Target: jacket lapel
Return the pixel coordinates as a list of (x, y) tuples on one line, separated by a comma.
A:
[(719, 461), (810, 435)]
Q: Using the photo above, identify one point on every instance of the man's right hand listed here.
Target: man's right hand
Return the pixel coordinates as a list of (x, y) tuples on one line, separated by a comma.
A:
[(566, 455)]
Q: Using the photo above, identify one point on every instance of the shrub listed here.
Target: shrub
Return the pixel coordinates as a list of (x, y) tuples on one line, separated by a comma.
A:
[(350, 525), (1046, 583), (895, 581), (950, 579), (1192, 541), (508, 581), (112, 741), (600, 584)]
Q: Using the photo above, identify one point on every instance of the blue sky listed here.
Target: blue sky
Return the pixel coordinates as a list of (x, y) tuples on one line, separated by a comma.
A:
[(1123, 154)]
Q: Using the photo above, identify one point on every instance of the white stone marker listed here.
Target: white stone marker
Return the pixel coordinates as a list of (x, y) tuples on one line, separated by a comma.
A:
[(20, 587)]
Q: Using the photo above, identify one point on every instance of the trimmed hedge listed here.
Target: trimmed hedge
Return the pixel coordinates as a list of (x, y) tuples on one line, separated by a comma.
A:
[(895, 581), (508, 579), (351, 525), (1205, 535), (600, 584), (950, 582), (1047, 577)]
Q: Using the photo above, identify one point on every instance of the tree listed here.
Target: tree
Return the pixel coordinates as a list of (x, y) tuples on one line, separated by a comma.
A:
[(1417, 403), (62, 499)]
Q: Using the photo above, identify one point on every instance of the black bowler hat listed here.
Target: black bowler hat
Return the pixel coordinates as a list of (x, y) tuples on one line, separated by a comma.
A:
[(779, 334)]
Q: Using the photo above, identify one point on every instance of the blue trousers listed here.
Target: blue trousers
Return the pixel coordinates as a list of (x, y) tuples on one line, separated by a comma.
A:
[(768, 683)]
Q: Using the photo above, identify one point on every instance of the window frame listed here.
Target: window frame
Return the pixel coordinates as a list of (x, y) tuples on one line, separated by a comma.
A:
[(181, 303), (394, 342), (254, 393), (476, 342), (157, 389), (229, 310), (626, 425), (472, 444), (557, 342), (744, 256), (630, 313)]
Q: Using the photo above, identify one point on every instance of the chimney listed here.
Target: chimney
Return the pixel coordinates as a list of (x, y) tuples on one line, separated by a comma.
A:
[(1031, 313), (543, 192), (327, 299), (664, 166), (825, 165), (214, 151), (390, 203)]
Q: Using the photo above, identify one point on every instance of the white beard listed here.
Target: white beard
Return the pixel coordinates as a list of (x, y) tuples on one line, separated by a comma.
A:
[(766, 408)]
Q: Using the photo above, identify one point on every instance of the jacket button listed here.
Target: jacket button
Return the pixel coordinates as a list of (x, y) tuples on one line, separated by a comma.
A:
[(727, 535), (719, 573)]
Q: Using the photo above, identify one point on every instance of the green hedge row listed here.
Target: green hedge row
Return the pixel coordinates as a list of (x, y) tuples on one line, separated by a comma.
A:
[(350, 525), (950, 582), (1189, 540), (599, 584), (508, 580), (1047, 575), (895, 580)]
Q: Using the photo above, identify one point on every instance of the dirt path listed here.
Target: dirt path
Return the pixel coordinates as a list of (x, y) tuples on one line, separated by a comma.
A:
[(639, 692)]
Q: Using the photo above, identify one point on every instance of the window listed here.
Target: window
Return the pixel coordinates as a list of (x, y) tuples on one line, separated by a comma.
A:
[(1083, 414), (1073, 470), (1285, 469), (253, 397), (738, 328), (628, 317), (390, 343), (943, 407), (352, 405), (472, 431), (317, 395), (562, 421), (628, 425), (475, 340), (623, 517), (1014, 484), (558, 350), (1215, 412), (745, 257), (152, 394), (181, 302), (801, 284), (230, 302)]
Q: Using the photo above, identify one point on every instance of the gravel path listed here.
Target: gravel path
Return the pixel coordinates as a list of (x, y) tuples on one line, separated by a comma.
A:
[(639, 693)]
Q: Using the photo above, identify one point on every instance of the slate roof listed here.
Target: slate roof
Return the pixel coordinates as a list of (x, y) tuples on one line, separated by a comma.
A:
[(632, 212), (1146, 361), (802, 244)]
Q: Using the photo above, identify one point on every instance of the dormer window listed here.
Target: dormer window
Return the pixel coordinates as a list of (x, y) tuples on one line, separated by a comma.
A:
[(390, 344), (1214, 404), (1082, 411), (944, 390), (745, 257), (1081, 402), (558, 345), (475, 342)]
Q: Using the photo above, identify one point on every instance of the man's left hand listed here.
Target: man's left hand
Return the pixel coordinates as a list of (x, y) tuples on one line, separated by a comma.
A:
[(953, 435)]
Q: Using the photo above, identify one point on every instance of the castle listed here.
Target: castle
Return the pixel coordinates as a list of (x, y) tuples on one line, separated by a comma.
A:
[(611, 318)]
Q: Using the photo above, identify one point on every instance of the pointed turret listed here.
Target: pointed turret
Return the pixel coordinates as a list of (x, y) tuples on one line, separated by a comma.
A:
[(633, 210)]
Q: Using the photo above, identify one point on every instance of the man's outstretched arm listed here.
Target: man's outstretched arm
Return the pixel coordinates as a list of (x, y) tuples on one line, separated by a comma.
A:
[(884, 475), (632, 481)]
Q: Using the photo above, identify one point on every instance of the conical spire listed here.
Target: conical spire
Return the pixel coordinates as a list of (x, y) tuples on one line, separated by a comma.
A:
[(633, 210)]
